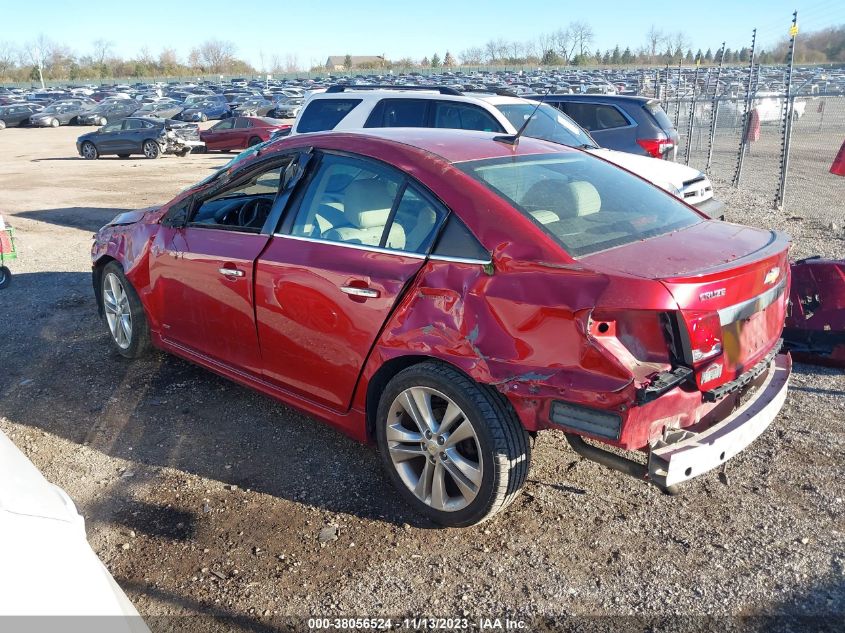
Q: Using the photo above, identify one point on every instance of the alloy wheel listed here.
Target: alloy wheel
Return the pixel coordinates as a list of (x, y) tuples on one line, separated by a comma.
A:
[(89, 151), (434, 448), (118, 313), (150, 149)]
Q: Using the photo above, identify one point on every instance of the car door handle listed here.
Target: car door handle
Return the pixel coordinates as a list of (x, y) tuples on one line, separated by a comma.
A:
[(356, 291), (231, 272)]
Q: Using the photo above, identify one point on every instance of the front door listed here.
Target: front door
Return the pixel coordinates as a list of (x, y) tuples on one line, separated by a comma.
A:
[(202, 272), (218, 137), (326, 284)]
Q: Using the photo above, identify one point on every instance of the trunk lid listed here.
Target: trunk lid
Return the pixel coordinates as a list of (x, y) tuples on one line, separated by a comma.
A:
[(731, 286)]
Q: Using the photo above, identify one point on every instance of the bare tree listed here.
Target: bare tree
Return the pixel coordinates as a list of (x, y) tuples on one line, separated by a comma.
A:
[(8, 54), (217, 55), (102, 50), (291, 63), (168, 60), (515, 50), (654, 38), (679, 42), (195, 60), (146, 57), (472, 56), (563, 43), (582, 36)]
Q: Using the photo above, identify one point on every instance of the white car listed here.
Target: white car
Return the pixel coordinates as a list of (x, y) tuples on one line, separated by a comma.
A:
[(356, 107), (47, 567)]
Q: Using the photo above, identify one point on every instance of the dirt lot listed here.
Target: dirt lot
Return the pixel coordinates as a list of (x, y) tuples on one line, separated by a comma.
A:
[(202, 497)]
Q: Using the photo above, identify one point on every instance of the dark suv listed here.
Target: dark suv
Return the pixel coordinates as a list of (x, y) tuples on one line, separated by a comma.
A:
[(629, 124)]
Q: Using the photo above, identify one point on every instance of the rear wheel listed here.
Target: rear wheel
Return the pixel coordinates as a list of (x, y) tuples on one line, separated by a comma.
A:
[(151, 149), (203, 118), (2, 125), (89, 151), (454, 449), (54, 123), (124, 314), (5, 277)]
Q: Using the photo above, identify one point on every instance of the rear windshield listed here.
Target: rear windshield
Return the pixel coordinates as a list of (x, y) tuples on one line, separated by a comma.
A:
[(324, 114), (548, 124), (586, 204), (653, 108)]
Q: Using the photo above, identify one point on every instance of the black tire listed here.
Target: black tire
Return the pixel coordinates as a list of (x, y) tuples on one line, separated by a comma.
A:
[(89, 151), (503, 442), (151, 149), (139, 343), (253, 141), (5, 277)]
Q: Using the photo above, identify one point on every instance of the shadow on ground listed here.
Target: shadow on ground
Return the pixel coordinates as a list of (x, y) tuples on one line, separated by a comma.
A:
[(162, 411), (85, 218)]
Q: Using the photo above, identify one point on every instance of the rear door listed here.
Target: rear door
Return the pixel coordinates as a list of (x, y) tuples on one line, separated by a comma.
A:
[(204, 269), (606, 123), (350, 244), (241, 133)]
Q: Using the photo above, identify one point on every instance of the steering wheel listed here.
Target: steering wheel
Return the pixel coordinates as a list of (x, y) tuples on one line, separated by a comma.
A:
[(252, 215)]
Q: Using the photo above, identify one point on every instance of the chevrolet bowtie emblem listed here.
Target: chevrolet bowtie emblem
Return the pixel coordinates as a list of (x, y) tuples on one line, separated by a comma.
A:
[(772, 276)]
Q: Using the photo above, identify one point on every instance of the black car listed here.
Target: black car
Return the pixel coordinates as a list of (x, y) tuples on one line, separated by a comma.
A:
[(16, 114), (257, 106), (108, 112), (56, 115), (637, 125), (160, 110), (139, 135)]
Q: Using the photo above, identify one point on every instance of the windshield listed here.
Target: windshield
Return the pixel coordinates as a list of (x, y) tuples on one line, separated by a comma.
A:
[(548, 124), (584, 203)]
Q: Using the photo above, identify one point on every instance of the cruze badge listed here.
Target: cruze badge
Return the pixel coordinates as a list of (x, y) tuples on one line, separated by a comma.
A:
[(711, 294), (772, 276)]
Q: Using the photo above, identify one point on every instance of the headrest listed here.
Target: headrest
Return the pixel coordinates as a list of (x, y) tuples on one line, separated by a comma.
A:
[(367, 203), (566, 199)]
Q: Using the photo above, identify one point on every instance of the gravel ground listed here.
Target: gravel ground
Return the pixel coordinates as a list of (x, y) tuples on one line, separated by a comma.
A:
[(202, 497)]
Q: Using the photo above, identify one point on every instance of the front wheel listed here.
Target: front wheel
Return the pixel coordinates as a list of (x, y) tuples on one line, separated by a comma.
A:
[(203, 118), (151, 149), (454, 449), (54, 123), (124, 314), (89, 151)]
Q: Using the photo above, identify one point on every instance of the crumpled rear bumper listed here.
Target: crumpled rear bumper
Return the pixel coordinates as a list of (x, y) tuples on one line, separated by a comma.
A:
[(675, 462)]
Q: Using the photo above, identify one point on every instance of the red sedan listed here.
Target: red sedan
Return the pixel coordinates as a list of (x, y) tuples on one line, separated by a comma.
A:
[(447, 294), (240, 132)]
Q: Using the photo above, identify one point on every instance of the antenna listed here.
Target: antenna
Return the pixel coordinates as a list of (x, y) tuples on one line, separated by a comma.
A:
[(513, 139)]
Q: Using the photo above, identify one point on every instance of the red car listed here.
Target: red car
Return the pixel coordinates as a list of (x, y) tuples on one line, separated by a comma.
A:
[(240, 132), (447, 294)]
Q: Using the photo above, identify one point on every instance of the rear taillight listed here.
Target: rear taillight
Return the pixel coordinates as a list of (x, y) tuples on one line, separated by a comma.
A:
[(705, 336), (655, 147)]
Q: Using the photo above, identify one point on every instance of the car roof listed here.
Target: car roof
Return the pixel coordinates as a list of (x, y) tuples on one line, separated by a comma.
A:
[(618, 99), (451, 145)]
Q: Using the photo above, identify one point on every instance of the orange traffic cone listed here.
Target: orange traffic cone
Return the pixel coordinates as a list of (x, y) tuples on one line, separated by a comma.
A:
[(838, 166)]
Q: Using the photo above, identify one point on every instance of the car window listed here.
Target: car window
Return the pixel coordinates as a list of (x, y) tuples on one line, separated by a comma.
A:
[(244, 207), (350, 200), (594, 116), (225, 124), (461, 116), (112, 127), (242, 123), (546, 123), (419, 220), (456, 240), (584, 203), (325, 114), (399, 113), (133, 124)]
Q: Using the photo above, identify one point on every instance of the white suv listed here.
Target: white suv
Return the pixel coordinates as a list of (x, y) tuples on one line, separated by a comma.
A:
[(356, 107)]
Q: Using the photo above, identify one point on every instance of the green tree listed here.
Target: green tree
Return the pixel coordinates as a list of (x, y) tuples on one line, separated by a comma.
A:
[(616, 56), (448, 60), (425, 63), (627, 56), (435, 61), (708, 56), (550, 58), (688, 58)]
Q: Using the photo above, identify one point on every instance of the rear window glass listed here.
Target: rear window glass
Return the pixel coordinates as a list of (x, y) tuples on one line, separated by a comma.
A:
[(593, 116), (653, 108), (547, 123), (324, 114), (587, 205), (450, 114)]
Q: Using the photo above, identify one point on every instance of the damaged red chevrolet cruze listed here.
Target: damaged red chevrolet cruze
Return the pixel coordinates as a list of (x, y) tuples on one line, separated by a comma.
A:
[(447, 294)]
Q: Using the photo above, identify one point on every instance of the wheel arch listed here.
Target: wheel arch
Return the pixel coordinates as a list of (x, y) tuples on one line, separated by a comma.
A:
[(97, 279)]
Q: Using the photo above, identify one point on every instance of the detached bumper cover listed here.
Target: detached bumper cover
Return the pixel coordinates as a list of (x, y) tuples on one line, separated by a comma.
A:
[(712, 208), (679, 461)]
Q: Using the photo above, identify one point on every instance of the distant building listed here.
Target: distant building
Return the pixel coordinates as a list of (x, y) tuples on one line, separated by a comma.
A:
[(338, 62)]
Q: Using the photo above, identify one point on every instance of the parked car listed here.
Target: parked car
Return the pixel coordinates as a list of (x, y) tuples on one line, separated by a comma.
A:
[(206, 110), (159, 110), (287, 108), (637, 125), (56, 115), (108, 112), (137, 135), (257, 106), (354, 107), (16, 115), (240, 132), (444, 293), (49, 569)]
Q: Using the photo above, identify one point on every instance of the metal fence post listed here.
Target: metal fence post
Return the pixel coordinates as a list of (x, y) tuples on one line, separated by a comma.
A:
[(786, 113), (746, 114), (691, 125), (714, 111), (678, 94)]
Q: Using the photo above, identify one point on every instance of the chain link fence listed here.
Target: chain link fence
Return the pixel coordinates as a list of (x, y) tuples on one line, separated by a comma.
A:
[(711, 134)]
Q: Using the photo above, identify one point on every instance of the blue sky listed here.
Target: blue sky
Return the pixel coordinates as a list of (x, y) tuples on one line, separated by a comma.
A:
[(311, 30)]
